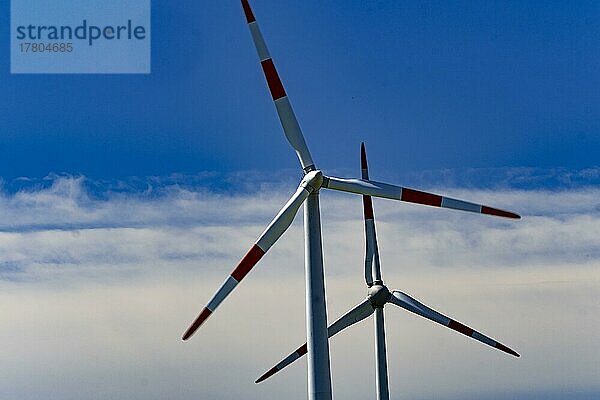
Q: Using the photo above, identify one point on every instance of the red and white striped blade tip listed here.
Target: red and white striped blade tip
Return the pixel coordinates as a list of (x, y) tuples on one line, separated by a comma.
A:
[(243, 268), (267, 375), (367, 202), (435, 200), (248, 11), (302, 350), (413, 305), (468, 331), (363, 157), (197, 323), (499, 213)]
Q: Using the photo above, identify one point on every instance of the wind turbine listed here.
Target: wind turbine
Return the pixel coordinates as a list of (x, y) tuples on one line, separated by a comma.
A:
[(378, 295), (319, 374)]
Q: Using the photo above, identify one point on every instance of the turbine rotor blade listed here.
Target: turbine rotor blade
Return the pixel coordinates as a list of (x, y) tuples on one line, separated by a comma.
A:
[(288, 120), (387, 191), (371, 252), (357, 314), (273, 232), (408, 303)]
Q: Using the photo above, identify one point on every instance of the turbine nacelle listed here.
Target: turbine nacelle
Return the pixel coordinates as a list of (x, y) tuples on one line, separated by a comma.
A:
[(378, 295), (312, 181)]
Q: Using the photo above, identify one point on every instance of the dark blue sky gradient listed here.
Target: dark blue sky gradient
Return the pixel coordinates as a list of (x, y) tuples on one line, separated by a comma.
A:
[(428, 85)]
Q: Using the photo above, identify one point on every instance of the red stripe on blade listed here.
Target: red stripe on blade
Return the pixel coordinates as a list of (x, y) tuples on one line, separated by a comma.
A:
[(267, 374), (275, 85), (505, 349), (368, 207), (246, 264), (457, 326), (416, 196), (499, 213), (199, 321), (363, 157), (302, 350), (248, 11)]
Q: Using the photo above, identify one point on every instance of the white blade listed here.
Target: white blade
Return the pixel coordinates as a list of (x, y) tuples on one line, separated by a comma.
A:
[(290, 125), (358, 313), (387, 191), (275, 229), (408, 303)]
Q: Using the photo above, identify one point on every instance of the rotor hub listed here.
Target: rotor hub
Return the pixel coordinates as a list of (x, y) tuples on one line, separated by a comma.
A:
[(378, 295), (312, 181)]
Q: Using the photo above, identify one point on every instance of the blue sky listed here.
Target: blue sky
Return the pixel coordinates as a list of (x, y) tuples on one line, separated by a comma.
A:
[(428, 85), (126, 199)]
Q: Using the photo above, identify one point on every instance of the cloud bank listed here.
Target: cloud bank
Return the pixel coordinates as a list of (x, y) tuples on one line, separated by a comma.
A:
[(97, 290)]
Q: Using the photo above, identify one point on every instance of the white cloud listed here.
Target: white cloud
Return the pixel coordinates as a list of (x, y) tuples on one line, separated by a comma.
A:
[(96, 292)]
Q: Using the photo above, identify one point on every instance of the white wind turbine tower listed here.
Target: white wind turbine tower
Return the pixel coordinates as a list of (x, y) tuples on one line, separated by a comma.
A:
[(319, 375), (378, 295)]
